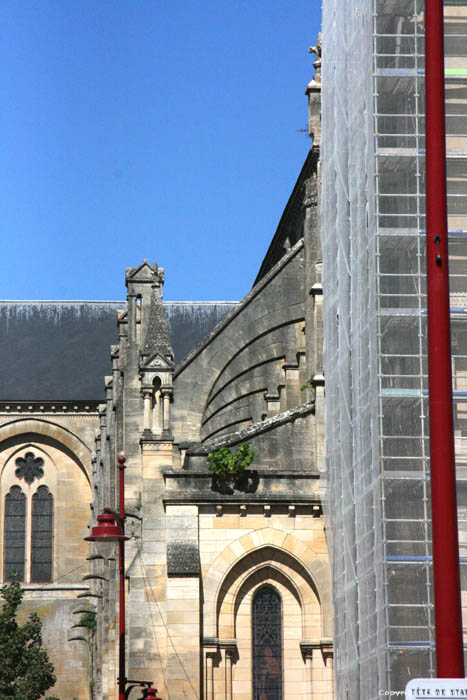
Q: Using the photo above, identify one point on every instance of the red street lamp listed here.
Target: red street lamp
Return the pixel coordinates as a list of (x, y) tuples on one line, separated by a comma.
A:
[(110, 529)]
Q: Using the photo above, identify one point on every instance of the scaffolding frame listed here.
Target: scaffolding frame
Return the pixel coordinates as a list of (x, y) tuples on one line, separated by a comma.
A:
[(377, 480)]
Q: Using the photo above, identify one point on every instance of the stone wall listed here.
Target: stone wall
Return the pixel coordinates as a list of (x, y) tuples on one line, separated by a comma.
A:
[(251, 366), (200, 548), (62, 441)]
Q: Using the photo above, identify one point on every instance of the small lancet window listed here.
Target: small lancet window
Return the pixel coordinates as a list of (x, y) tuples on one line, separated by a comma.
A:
[(267, 644), (41, 535), (15, 533)]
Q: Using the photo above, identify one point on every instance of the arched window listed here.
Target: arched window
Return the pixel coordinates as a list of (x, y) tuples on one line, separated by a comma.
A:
[(156, 406), (267, 644), (41, 535), (15, 533), (28, 524)]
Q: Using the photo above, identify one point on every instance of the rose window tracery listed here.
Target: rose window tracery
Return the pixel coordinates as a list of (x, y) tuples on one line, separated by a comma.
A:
[(29, 467)]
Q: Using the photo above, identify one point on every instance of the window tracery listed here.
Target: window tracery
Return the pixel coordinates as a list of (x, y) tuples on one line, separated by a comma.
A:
[(29, 467), (28, 521)]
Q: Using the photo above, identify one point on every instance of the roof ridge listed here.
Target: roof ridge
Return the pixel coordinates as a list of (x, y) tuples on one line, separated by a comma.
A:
[(62, 301), (102, 301)]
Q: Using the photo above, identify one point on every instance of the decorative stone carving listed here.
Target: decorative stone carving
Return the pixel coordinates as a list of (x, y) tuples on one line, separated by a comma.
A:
[(29, 467), (313, 90), (317, 50), (152, 446)]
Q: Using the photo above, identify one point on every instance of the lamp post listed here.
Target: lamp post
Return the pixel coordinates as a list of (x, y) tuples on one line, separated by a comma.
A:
[(110, 529), (447, 592)]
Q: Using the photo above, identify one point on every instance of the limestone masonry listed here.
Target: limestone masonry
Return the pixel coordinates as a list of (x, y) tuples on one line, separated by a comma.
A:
[(228, 585)]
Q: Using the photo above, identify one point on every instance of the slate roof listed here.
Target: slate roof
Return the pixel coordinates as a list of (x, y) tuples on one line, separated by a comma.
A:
[(290, 227), (60, 350)]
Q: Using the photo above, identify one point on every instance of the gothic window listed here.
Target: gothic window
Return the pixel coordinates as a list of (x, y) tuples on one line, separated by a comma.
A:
[(28, 524), (15, 533), (41, 535), (267, 645)]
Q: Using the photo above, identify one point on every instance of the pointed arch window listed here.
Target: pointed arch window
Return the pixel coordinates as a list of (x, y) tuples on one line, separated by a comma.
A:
[(41, 535), (28, 524), (267, 644), (15, 533)]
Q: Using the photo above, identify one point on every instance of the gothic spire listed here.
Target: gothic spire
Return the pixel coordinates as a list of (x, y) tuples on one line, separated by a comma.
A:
[(157, 333)]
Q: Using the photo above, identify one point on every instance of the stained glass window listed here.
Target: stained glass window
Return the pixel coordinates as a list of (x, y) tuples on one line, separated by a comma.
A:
[(41, 535), (15, 533), (267, 645)]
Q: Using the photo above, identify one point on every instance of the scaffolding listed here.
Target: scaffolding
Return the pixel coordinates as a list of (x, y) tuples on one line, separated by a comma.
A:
[(373, 239)]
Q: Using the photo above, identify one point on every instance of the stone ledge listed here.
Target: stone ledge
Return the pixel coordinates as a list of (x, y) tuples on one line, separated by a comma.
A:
[(191, 497), (204, 448), (184, 474), (261, 487)]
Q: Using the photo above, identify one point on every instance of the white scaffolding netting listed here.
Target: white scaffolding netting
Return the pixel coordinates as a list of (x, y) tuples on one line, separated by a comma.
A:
[(373, 240)]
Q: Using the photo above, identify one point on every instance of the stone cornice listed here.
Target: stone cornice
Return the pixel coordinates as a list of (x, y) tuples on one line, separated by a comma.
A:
[(49, 407)]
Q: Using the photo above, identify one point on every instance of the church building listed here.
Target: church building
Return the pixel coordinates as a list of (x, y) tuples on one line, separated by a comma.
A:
[(228, 591)]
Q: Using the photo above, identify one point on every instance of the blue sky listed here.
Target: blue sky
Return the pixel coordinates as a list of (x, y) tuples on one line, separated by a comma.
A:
[(159, 129)]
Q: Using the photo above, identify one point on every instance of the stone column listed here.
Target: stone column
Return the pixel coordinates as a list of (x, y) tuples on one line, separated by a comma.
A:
[(309, 673), (328, 671), (307, 653), (209, 685), (147, 397), (166, 412), (318, 385), (132, 318), (316, 293), (157, 412), (230, 654)]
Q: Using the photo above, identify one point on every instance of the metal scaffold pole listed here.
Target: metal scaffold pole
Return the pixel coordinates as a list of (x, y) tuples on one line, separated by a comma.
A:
[(447, 598)]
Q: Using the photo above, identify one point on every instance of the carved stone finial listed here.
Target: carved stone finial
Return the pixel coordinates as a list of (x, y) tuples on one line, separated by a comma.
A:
[(158, 276), (144, 274), (313, 91), (317, 50)]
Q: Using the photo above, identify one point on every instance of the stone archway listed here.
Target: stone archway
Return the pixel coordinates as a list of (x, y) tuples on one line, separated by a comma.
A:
[(47, 432), (278, 560), (315, 566), (66, 472)]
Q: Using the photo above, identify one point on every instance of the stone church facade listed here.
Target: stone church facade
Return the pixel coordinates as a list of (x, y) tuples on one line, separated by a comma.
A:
[(227, 585)]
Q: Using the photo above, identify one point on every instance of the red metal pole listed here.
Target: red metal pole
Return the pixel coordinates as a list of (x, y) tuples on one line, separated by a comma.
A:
[(121, 565), (448, 618)]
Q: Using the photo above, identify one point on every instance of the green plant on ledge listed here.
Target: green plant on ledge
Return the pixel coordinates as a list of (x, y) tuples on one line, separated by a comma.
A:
[(88, 620), (227, 466)]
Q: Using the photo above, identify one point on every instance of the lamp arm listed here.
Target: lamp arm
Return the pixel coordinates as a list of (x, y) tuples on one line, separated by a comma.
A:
[(118, 516), (137, 684), (115, 513)]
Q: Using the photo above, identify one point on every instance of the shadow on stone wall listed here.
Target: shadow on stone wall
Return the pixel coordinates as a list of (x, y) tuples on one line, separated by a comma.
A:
[(245, 483)]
